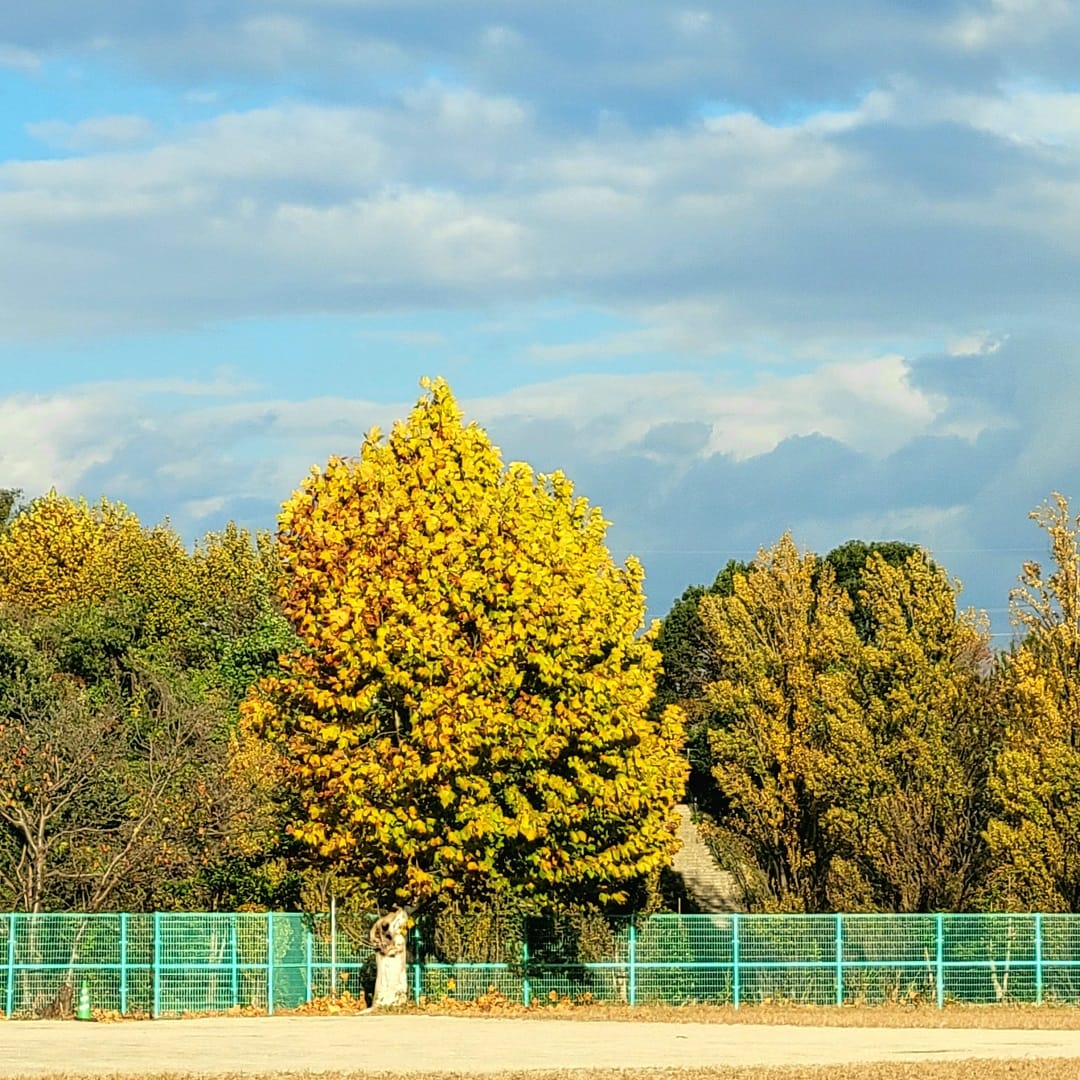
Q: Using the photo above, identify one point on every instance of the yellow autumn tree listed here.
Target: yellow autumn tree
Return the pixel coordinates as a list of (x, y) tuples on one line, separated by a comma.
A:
[(470, 714), (61, 551), (1034, 834)]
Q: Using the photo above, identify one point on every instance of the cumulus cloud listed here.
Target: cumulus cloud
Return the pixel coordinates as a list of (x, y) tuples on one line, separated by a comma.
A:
[(820, 228)]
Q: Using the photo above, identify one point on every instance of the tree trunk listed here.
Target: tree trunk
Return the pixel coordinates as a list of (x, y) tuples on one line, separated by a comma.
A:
[(389, 942)]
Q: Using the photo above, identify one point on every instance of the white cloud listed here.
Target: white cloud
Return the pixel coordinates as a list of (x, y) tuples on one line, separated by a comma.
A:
[(789, 230), (995, 22), (17, 58), (97, 133), (978, 343)]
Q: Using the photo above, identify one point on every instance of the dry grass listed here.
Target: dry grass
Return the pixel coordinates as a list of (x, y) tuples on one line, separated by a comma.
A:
[(1042, 1069), (994, 1017)]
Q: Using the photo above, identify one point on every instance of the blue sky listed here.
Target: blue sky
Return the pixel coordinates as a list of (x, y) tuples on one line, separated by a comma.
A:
[(735, 268)]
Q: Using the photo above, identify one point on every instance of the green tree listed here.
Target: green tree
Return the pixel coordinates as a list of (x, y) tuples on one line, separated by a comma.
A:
[(791, 752), (849, 562), (469, 717), (917, 842), (118, 639), (689, 665), (105, 789), (1034, 834)]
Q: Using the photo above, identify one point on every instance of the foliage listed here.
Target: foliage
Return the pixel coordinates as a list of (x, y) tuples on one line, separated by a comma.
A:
[(103, 788), (469, 715), (851, 758), (789, 747), (124, 659), (125, 589), (9, 505), (1034, 834), (849, 563), (917, 842), (689, 665)]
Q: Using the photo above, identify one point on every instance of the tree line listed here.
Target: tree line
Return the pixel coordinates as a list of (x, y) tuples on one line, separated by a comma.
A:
[(859, 744), (433, 686)]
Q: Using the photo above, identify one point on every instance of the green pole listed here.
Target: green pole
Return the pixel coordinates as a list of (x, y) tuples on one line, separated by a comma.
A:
[(939, 976), (418, 973), (156, 1011), (309, 966), (839, 959), (526, 989), (270, 963), (333, 945), (631, 942), (234, 962), (9, 986), (736, 981), (123, 963), (1038, 960)]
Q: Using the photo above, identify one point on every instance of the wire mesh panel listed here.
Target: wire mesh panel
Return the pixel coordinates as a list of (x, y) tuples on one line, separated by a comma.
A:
[(684, 958), (888, 958), (208, 963), (788, 958), (580, 957), (989, 958), (1058, 940), (52, 955), (338, 956)]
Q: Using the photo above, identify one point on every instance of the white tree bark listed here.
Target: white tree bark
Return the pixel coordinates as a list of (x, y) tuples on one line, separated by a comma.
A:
[(388, 938)]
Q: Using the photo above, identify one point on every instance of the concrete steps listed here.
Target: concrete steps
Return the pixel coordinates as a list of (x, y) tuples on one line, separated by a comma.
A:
[(712, 889)]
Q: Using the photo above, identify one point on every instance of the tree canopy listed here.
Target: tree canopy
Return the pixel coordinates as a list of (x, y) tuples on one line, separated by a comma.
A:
[(1034, 833), (123, 657), (470, 713), (846, 727)]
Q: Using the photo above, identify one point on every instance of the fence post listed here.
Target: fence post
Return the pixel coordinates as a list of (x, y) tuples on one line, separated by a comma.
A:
[(526, 987), (9, 996), (309, 966), (939, 965), (839, 959), (333, 945), (418, 973), (631, 955), (736, 982), (270, 963), (1038, 959), (234, 962), (123, 963), (156, 973)]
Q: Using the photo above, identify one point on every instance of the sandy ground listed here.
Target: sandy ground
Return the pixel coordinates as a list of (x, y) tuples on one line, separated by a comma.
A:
[(432, 1043)]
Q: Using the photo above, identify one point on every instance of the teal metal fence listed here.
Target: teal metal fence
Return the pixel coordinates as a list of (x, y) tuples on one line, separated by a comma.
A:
[(168, 964), (742, 959)]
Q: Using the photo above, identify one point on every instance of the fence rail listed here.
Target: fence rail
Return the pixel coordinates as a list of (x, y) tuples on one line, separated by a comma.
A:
[(165, 964)]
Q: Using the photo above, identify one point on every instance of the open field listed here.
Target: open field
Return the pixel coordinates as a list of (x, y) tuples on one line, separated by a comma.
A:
[(417, 1045)]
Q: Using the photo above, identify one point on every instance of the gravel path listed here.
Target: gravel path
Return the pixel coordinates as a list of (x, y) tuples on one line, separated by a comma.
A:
[(296, 1044)]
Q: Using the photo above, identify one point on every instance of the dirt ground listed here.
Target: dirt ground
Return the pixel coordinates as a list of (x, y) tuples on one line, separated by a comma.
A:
[(478, 1046)]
